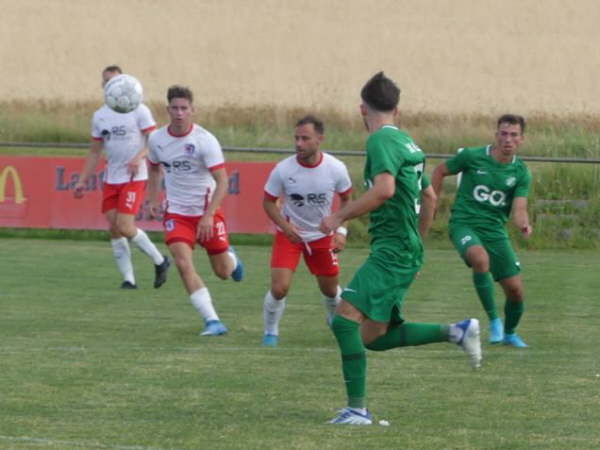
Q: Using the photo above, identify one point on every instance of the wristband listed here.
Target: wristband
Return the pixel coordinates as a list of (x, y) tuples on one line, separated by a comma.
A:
[(342, 230)]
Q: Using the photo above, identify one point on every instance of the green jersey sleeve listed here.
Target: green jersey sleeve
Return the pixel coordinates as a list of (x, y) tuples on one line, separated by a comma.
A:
[(383, 155), (459, 162), (522, 187)]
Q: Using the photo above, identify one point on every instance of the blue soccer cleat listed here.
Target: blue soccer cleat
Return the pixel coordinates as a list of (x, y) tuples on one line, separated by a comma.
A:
[(238, 271), (214, 328), (350, 416), (514, 340), (496, 331), (270, 340)]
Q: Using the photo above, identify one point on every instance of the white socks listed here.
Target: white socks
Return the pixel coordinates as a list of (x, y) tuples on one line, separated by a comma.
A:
[(272, 312), (203, 303), (122, 256), (143, 242), (330, 304)]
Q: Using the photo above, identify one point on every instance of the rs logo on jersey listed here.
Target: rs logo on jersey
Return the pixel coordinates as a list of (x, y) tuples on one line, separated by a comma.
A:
[(483, 194), (311, 199), (177, 166)]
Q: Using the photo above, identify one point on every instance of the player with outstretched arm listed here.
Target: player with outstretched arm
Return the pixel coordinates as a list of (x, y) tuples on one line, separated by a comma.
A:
[(370, 312)]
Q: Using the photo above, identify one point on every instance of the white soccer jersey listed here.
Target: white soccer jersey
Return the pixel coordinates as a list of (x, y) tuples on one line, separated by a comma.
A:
[(122, 137), (187, 163), (308, 191)]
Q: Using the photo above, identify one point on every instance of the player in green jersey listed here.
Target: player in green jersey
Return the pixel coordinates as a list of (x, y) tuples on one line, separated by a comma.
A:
[(494, 183), (369, 314)]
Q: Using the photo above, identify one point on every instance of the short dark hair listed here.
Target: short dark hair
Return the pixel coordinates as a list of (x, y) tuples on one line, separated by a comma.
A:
[(315, 121), (381, 93), (113, 68), (513, 119), (177, 91)]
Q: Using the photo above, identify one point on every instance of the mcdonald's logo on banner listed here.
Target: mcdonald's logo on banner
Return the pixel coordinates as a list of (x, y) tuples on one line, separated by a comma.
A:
[(11, 206)]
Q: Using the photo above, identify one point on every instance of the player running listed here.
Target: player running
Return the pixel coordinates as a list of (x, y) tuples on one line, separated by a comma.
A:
[(370, 312), (123, 138), (307, 182), (196, 183), (494, 183)]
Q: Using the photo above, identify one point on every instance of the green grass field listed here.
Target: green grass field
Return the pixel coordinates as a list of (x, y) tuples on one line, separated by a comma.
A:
[(86, 365)]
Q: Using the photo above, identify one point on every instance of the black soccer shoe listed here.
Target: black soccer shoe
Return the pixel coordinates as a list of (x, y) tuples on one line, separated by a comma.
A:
[(128, 285), (160, 274)]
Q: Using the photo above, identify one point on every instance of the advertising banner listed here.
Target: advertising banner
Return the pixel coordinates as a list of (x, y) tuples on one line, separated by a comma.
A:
[(37, 192)]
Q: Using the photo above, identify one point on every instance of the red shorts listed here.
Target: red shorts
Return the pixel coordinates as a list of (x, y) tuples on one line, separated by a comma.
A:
[(126, 198), (318, 255), (180, 228)]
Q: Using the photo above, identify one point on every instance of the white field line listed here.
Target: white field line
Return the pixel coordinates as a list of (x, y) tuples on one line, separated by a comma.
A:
[(80, 444)]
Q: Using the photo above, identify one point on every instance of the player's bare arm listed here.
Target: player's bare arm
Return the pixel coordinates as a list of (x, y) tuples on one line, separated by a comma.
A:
[(437, 180), (383, 188), (521, 216), (140, 158), (91, 162), (339, 237), (273, 211), (153, 189), (428, 203), (205, 226)]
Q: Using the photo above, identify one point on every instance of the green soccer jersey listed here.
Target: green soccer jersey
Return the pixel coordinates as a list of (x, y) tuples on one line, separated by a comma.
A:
[(393, 151), (487, 188)]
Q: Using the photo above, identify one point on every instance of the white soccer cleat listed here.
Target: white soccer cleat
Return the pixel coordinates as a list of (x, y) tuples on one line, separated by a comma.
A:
[(350, 416), (466, 334)]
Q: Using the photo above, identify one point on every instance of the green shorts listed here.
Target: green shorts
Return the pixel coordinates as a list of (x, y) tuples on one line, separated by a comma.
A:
[(503, 260), (380, 284)]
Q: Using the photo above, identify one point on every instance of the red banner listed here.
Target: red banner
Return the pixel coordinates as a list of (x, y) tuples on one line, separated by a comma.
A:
[(37, 192)]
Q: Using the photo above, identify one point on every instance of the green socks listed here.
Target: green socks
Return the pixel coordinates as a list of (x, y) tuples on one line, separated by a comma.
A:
[(513, 311), (484, 285), (410, 334), (354, 361)]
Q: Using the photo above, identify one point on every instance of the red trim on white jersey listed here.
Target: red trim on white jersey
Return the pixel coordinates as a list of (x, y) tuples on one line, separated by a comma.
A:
[(347, 191), (149, 129), (268, 196), (311, 166), (180, 135), (152, 163), (97, 139), (217, 167)]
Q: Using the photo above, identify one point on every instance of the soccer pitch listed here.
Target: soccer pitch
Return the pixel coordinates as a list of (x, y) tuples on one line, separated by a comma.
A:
[(87, 365)]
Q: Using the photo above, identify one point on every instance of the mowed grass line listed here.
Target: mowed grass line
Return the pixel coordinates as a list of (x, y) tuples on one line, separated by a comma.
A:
[(86, 365)]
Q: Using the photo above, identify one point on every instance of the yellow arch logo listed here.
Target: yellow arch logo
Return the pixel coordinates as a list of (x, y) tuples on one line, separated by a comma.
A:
[(17, 186)]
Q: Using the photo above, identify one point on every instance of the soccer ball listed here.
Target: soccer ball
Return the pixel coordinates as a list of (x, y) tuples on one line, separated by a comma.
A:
[(123, 93)]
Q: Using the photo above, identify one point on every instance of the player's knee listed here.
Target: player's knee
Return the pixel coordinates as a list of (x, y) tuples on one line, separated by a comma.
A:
[(279, 291), (480, 262), (331, 293), (478, 259), (515, 293), (126, 229), (223, 272)]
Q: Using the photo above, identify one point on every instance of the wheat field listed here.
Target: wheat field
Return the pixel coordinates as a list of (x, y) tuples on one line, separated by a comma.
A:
[(467, 56)]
